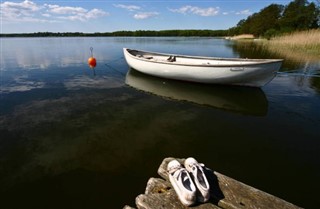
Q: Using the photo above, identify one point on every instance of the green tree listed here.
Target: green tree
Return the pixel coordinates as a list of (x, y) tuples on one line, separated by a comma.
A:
[(259, 23), (275, 19), (300, 15)]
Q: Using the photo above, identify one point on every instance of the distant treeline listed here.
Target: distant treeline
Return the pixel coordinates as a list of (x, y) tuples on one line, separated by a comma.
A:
[(277, 19), (272, 20), (201, 33)]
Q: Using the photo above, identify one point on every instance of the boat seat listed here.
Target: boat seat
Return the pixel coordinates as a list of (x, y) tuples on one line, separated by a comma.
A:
[(171, 59), (145, 57)]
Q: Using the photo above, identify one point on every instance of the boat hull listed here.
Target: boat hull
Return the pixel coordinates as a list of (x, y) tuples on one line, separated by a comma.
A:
[(245, 72)]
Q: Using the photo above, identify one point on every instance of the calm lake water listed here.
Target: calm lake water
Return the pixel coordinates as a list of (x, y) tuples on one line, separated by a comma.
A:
[(72, 137)]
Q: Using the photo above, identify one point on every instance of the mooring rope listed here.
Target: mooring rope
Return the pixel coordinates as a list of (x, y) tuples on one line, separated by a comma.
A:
[(297, 73), (300, 74), (116, 60), (113, 61), (306, 71)]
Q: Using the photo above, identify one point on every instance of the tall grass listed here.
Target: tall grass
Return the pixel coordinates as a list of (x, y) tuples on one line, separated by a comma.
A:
[(242, 36), (298, 45)]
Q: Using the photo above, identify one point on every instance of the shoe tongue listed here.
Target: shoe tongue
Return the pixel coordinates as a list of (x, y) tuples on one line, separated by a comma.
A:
[(194, 166), (178, 174), (174, 170), (183, 175)]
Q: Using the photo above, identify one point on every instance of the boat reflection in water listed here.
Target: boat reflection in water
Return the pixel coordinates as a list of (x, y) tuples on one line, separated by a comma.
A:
[(243, 100)]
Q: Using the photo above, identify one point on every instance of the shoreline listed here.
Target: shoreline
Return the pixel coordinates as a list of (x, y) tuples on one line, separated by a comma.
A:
[(241, 37), (298, 46), (302, 45)]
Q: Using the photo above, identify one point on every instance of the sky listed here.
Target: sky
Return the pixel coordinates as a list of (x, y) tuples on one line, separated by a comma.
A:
[(90, 16)]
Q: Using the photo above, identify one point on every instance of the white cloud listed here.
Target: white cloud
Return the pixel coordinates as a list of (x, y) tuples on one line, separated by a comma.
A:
[(14, 11), (244, 12), (66, 10), (21, 84), (145, 15), (82, 16), (25, 6), (134, 8), (75, 13), (28, 11), (127, 7), (95, 13), (210, 11), (46, 15), (82, 81)]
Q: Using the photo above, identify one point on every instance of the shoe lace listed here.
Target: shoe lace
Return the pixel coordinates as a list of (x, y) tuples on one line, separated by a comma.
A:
[(193, 166), (182, 176), (177, 172), (173, 169)]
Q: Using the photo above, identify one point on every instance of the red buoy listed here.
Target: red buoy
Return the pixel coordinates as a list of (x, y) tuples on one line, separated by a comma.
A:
[(92, 62)]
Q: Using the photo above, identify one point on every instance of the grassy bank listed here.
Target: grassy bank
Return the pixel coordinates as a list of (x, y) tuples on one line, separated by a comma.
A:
[(302, 45), (241, 37)]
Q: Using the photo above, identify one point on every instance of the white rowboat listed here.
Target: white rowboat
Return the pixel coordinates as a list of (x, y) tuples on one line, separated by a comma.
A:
[(230, 71)]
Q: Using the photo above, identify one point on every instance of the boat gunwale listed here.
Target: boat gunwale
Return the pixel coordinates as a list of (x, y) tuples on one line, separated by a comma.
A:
[(258, 61)]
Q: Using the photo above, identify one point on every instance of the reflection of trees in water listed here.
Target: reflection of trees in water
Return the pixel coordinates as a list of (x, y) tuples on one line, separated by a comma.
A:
[(252, 50), (249, 49), (293, 67), (315, 83)]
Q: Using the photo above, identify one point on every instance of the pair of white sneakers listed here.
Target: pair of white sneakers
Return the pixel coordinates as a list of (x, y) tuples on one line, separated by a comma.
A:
[(189, 188)]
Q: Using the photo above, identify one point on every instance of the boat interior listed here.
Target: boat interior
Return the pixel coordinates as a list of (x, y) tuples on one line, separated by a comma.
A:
[(189, 60)]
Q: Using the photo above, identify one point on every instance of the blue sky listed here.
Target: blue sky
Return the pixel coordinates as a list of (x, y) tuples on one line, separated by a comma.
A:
[(89, 16)]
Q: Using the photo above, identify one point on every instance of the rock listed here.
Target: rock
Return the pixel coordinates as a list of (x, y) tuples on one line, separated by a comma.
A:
[(225, 193), (157, 186)]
